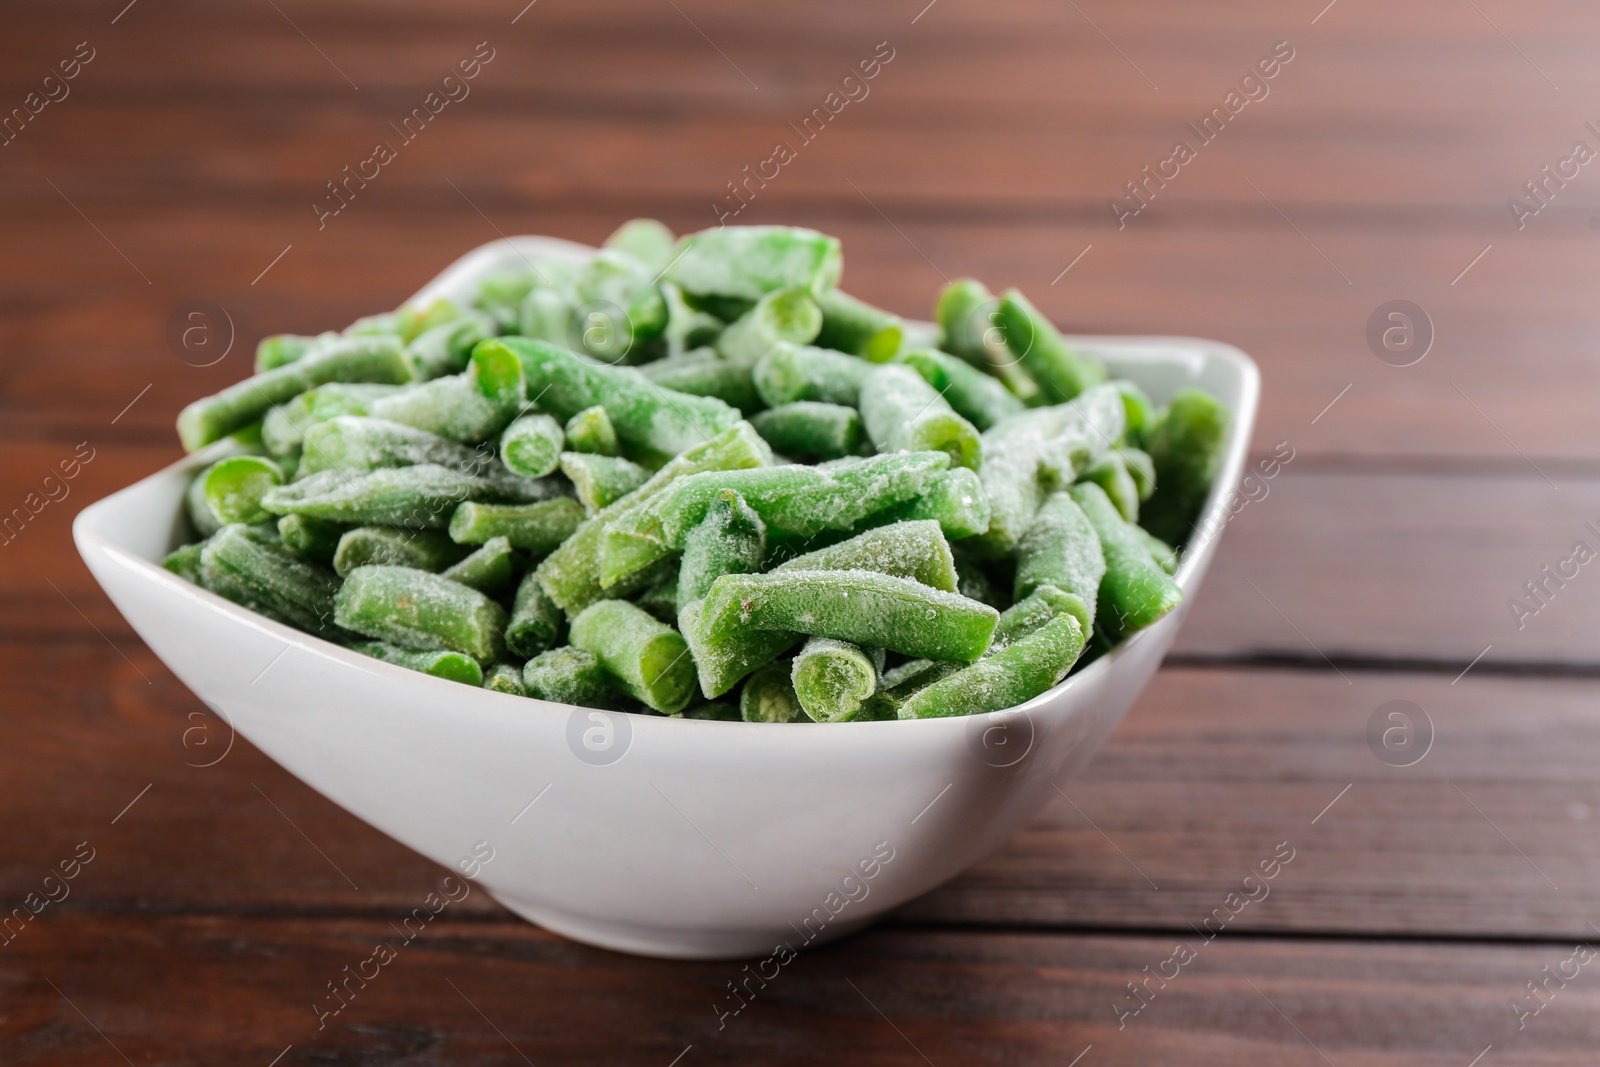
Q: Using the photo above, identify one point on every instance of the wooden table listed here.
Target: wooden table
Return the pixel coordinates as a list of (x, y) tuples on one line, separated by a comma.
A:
[(183, 164)]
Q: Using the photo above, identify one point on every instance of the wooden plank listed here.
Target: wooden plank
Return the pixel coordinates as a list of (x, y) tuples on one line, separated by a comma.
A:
[(1303, 325), (188, 990)]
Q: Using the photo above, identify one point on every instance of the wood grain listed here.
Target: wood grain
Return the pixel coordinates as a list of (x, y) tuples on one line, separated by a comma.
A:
[(209, 990)]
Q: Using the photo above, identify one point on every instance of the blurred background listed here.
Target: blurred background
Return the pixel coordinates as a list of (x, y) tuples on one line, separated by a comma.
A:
[(1395, 213)]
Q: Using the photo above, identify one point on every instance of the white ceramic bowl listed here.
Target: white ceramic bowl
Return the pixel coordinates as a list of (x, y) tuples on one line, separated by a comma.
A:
[(666, 837)]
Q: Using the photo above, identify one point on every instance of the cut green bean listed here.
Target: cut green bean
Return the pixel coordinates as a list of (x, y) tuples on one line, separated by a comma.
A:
[(1186, 449), (967, 329), (787, 316), (903, 413), (855, 326), (383, 324), (571, 574), (1135, 591), (977, 397), (282, 349), (769, 695), (185, 562), (500, 296), (832, 679), (644, 414), (413, 320), (1062, 549), (800, 372), (313, 540), (794, 499), (504, 678), (357, 445), (601, 480), (470, 407), (646, 240), (419, 610), (234, 488), (488, 570), (1160, 551), (1140, 468), (1031, 613), (955, 499), (915, 550), (546, 315), (591, 431), (864, 607), (647, 659), (198, 508), (568, 675), (1034, 340), (416, 498), (451, 666), (687, 328), (241, 565), (376, 359), (1139, 412), (538, 528), (1111, 473), (747, 262), (284, 428), (724, 657), (1012, 676), (731, 539), (536, 622), (531, 445), (447, 348), (424, 550), (704, 373), (810, 430), (618, 306)]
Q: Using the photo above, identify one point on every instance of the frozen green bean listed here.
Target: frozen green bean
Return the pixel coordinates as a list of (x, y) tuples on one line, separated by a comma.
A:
[(571, 574), (413, 320), (1111, 473), (1160, 551), (531, 445), (424, 550), (794, 499), (234, 487), (1186, 448), (546, 315), (282, 349), (747, 262), (1031, 613), (1140, 468), (955, 499), (731, 539), (488, 570), (644, 414), (504, 678), (417, 498), (568, 675), (647, 659), (832, 679), (769, 696), (855, 326), (967, 329), (687, 327), (864, 607), (704, 373), (1036, 343), (800, 372), (284, 428), (451, 666), (357, 445), (260, 574), (185, 561), (538, 528), (419, 610), (1135, 591), (786, 316), (618, 306), (646, 240), (1012, 676), (469, 407), (914, 550), (601, 480), (447, 348), (500, 296), (536, 622), (591, 431), (977, 397), (1062, 549), (903, 413), (724, 657), (1139, 412), (811, 430), (198, 508), (376, 359), (313, 540)]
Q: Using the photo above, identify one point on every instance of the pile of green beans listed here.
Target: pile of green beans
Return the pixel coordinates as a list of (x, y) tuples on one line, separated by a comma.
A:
[(692, 477)]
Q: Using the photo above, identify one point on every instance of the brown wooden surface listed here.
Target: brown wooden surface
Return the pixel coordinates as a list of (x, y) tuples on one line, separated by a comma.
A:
[(1377, 567)]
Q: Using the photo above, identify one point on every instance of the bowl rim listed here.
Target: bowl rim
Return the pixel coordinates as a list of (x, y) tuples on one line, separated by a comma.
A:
[(90, 534)]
